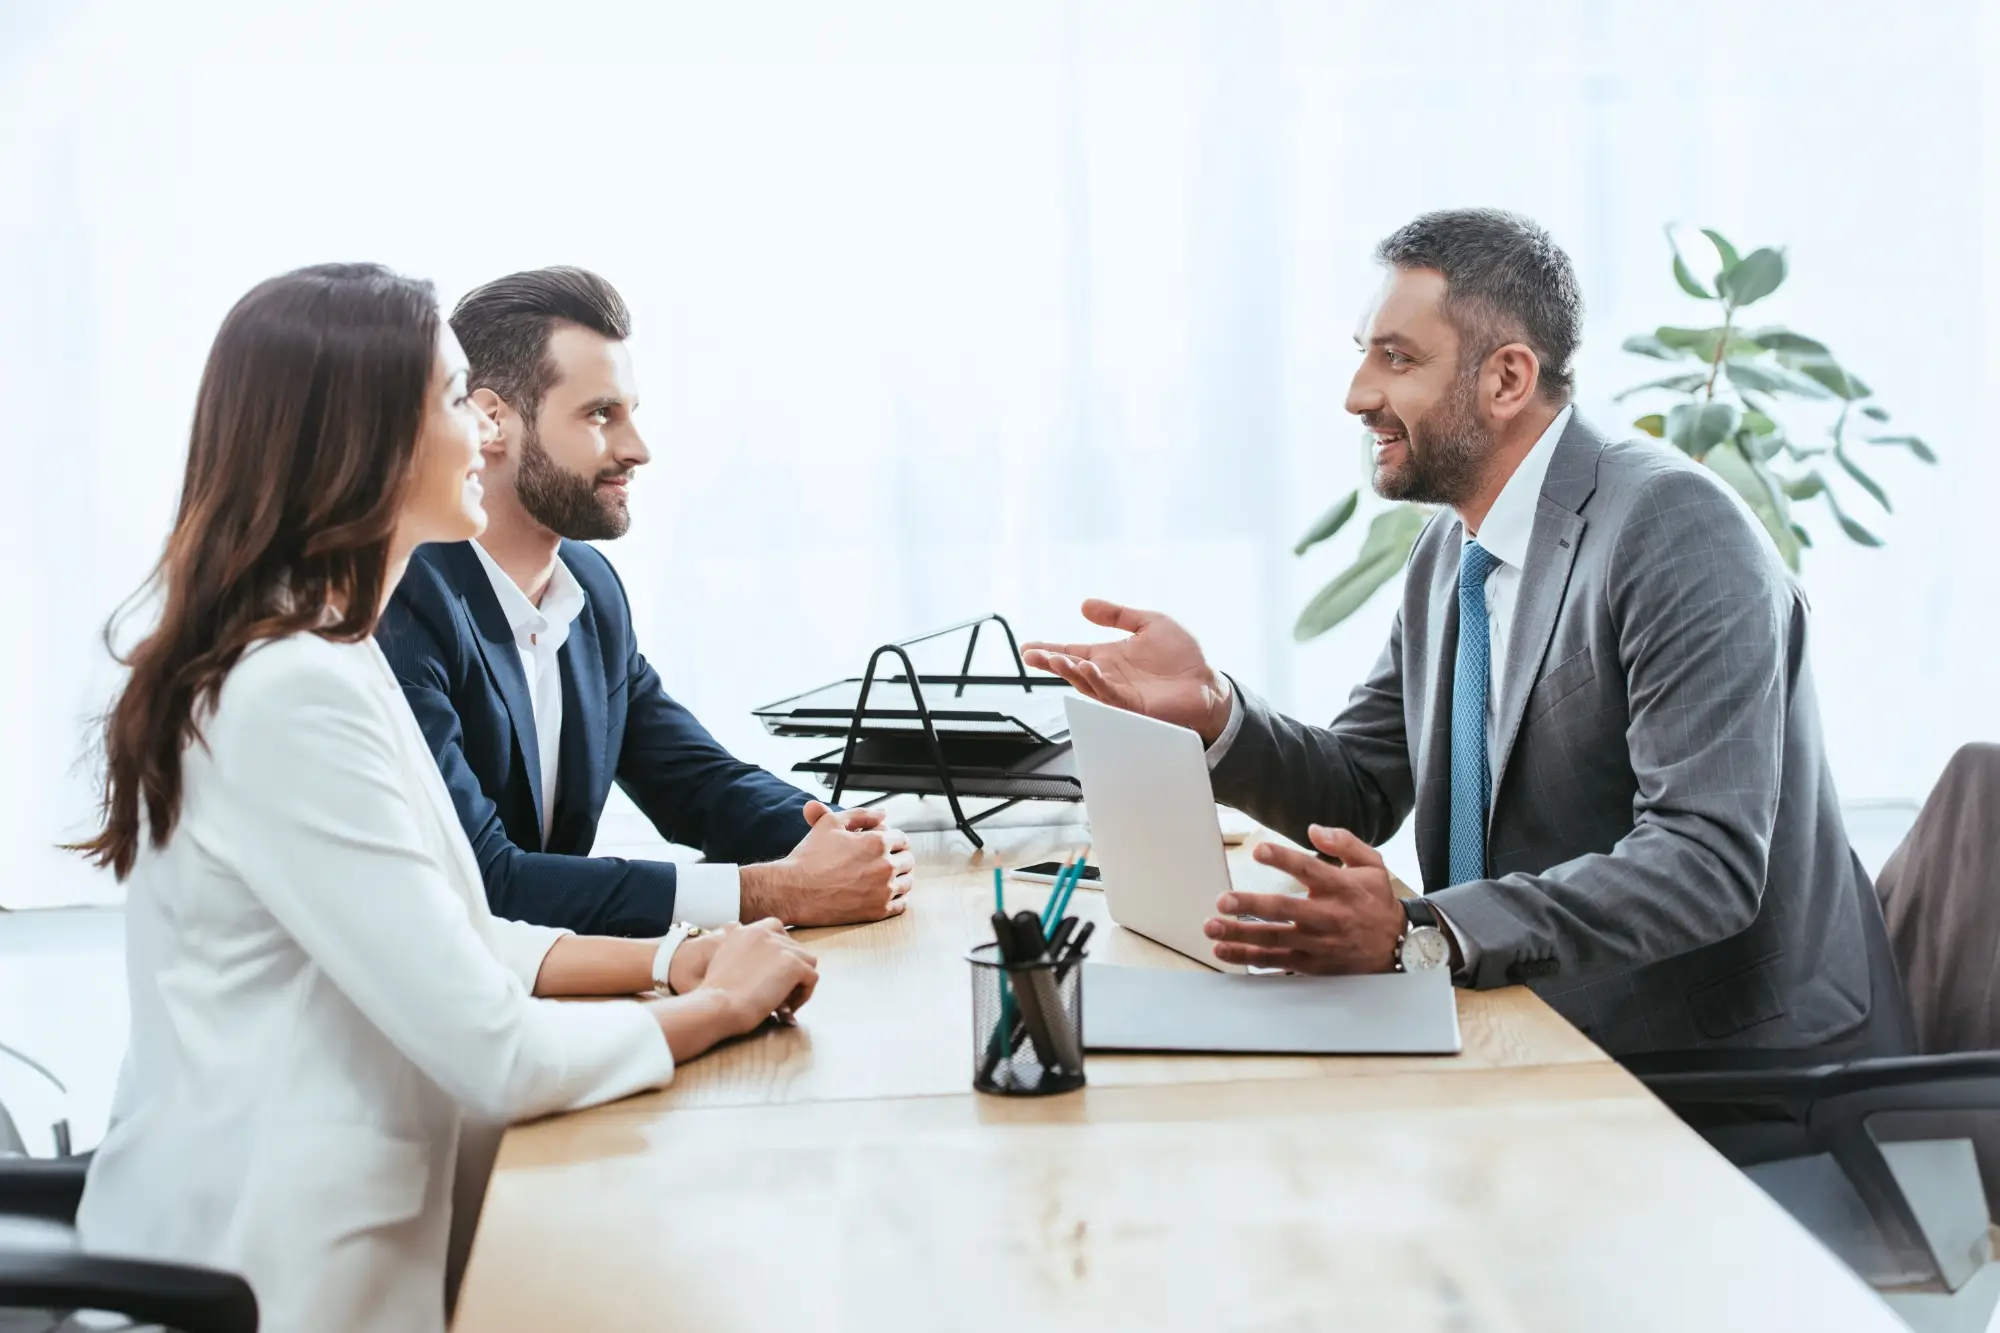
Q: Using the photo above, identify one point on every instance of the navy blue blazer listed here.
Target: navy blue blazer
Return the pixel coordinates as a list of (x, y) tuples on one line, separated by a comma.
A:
[(448, 640)]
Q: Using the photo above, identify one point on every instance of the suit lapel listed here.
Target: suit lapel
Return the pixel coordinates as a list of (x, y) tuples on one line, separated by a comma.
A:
[(502, 656), (585, 704), (1434, 746), (1559, 525)]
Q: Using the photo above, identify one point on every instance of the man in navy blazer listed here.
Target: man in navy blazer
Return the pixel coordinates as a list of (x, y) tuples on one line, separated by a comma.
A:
[(517, 654)]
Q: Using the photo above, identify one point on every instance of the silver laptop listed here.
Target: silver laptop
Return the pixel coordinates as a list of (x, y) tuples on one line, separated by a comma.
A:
[(1153, 826)]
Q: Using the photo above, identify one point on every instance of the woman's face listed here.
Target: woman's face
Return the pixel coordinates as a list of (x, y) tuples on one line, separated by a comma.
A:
[(444, 497)]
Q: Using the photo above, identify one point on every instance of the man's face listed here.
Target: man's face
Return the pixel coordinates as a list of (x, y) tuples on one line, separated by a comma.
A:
[(1414, 396), (577, 456)]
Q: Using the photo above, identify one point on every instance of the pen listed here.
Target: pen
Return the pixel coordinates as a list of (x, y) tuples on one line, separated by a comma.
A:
[(1004, 1040), (1051, 912), (1049, 1028), (1060, 907)]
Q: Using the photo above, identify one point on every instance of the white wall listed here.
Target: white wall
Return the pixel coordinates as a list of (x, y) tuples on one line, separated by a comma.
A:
[(946, 309)]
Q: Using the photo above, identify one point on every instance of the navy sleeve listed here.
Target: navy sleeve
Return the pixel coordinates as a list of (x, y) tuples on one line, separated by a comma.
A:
[(694, 791), (592, 895)]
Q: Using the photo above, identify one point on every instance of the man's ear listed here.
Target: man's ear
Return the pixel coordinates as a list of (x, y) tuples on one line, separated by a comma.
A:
[(494, 408), (1513, 374)]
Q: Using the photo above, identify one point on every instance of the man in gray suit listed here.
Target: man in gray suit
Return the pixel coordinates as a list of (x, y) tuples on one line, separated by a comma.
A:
[(1595, 698)]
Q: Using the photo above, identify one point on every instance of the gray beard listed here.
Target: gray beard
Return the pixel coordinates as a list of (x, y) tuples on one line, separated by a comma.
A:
[(1445, 453)]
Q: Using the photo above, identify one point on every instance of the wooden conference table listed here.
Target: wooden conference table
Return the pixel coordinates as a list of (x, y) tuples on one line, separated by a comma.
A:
[(844, 1176)]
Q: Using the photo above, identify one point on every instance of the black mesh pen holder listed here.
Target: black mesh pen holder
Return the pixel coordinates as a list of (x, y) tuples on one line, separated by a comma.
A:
[(1027, 1025)]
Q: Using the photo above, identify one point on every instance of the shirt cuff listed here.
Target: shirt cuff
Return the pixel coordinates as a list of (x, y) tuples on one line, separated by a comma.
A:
[(1220, 750), (708, 893), (1468, 951)]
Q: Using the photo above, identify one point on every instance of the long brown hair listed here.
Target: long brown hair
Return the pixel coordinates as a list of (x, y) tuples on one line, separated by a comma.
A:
[(305, 428)]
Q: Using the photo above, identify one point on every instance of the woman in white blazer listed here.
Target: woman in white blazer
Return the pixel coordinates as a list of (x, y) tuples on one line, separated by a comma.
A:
[(321, 1000)]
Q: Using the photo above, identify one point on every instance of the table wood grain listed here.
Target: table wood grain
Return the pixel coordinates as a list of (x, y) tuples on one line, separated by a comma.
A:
[(1557, 1197), (842, 1176)]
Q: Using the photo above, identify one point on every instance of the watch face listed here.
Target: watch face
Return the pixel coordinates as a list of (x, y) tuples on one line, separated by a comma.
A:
[(1425, 948)]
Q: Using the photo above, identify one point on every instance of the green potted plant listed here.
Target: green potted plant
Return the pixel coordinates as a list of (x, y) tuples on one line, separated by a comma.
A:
[(1768, 409)]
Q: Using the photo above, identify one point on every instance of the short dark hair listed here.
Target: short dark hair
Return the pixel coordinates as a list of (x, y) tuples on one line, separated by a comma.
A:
[(1505, 281), (504, 327)]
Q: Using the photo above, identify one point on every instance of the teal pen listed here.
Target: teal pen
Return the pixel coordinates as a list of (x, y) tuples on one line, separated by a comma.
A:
[(1052, 911), (1061, 907)]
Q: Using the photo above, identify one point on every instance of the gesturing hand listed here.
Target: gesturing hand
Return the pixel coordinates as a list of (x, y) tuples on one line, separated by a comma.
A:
[(1349, 921), (849, 867), (1158, 671)]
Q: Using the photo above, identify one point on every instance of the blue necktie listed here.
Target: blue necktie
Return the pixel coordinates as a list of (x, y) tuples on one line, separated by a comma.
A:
[(1471, 781)]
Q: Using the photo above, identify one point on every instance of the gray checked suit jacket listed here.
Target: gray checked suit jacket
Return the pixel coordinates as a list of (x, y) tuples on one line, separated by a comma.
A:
[(1669, 868)]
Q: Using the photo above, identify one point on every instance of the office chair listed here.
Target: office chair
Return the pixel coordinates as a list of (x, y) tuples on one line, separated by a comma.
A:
[(43, 1275), (1890, 1157)]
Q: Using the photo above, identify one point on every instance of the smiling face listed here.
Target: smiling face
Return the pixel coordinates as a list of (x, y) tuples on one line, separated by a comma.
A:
[(1416, 398), (443, 503)]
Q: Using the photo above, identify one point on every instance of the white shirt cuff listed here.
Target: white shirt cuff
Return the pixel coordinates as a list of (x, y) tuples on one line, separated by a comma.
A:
[(1220, 750), (708, 893)]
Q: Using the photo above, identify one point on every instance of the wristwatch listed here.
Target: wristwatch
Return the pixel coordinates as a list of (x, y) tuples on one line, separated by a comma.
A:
[(1423, 946), (663, 957)]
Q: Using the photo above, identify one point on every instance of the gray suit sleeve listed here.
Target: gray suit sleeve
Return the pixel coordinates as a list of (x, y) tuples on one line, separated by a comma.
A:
[(1354, 774), (1698, 600)]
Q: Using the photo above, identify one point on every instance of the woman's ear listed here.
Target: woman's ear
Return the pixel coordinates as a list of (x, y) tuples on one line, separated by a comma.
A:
[(494, 408)]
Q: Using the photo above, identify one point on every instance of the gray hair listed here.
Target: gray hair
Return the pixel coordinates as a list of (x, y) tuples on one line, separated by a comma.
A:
[(1505, 281)]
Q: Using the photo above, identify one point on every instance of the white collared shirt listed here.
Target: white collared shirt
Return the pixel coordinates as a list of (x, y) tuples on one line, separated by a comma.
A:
[(1509, 526), (706, 894)]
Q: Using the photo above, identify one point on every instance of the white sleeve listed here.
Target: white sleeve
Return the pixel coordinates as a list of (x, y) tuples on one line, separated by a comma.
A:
[(308, 804), (1219, 751), (522, 947), (708, 893)]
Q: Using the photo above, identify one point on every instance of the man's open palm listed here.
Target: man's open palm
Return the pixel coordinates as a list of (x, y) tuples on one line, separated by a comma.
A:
[(1158, 670)]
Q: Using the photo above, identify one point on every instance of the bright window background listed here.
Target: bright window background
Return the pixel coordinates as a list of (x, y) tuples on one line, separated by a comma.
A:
[(944, 309)]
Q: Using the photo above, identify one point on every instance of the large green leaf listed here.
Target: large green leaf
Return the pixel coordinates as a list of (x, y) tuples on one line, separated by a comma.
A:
[(1687, 282), (1645, 344), (1723, 248), (1758, 424), (1910, 442), (1761, 493), (1332, 521), (1696, 428), (1653, 424), (1803, 487), (1862, 479), (1383, 553), (1760, 273), (1780, 339), (1829, 372), (1771, 377), (1678, 383)]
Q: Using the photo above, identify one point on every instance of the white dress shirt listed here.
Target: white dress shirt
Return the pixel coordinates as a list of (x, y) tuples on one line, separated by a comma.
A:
[(1505, 534), (706, 894)]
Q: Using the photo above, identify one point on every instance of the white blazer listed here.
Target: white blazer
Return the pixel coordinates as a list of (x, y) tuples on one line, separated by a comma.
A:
[(319, 998)]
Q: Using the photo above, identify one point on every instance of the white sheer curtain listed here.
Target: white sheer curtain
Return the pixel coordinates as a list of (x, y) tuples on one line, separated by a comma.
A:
[(950, 308)]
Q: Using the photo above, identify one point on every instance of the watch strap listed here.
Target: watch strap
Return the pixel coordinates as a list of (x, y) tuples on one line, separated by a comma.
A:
[(663, 957), (1417, 912)]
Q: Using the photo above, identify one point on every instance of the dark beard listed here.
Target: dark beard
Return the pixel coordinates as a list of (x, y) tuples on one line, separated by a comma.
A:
[(563, 502), (1444, 454)]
